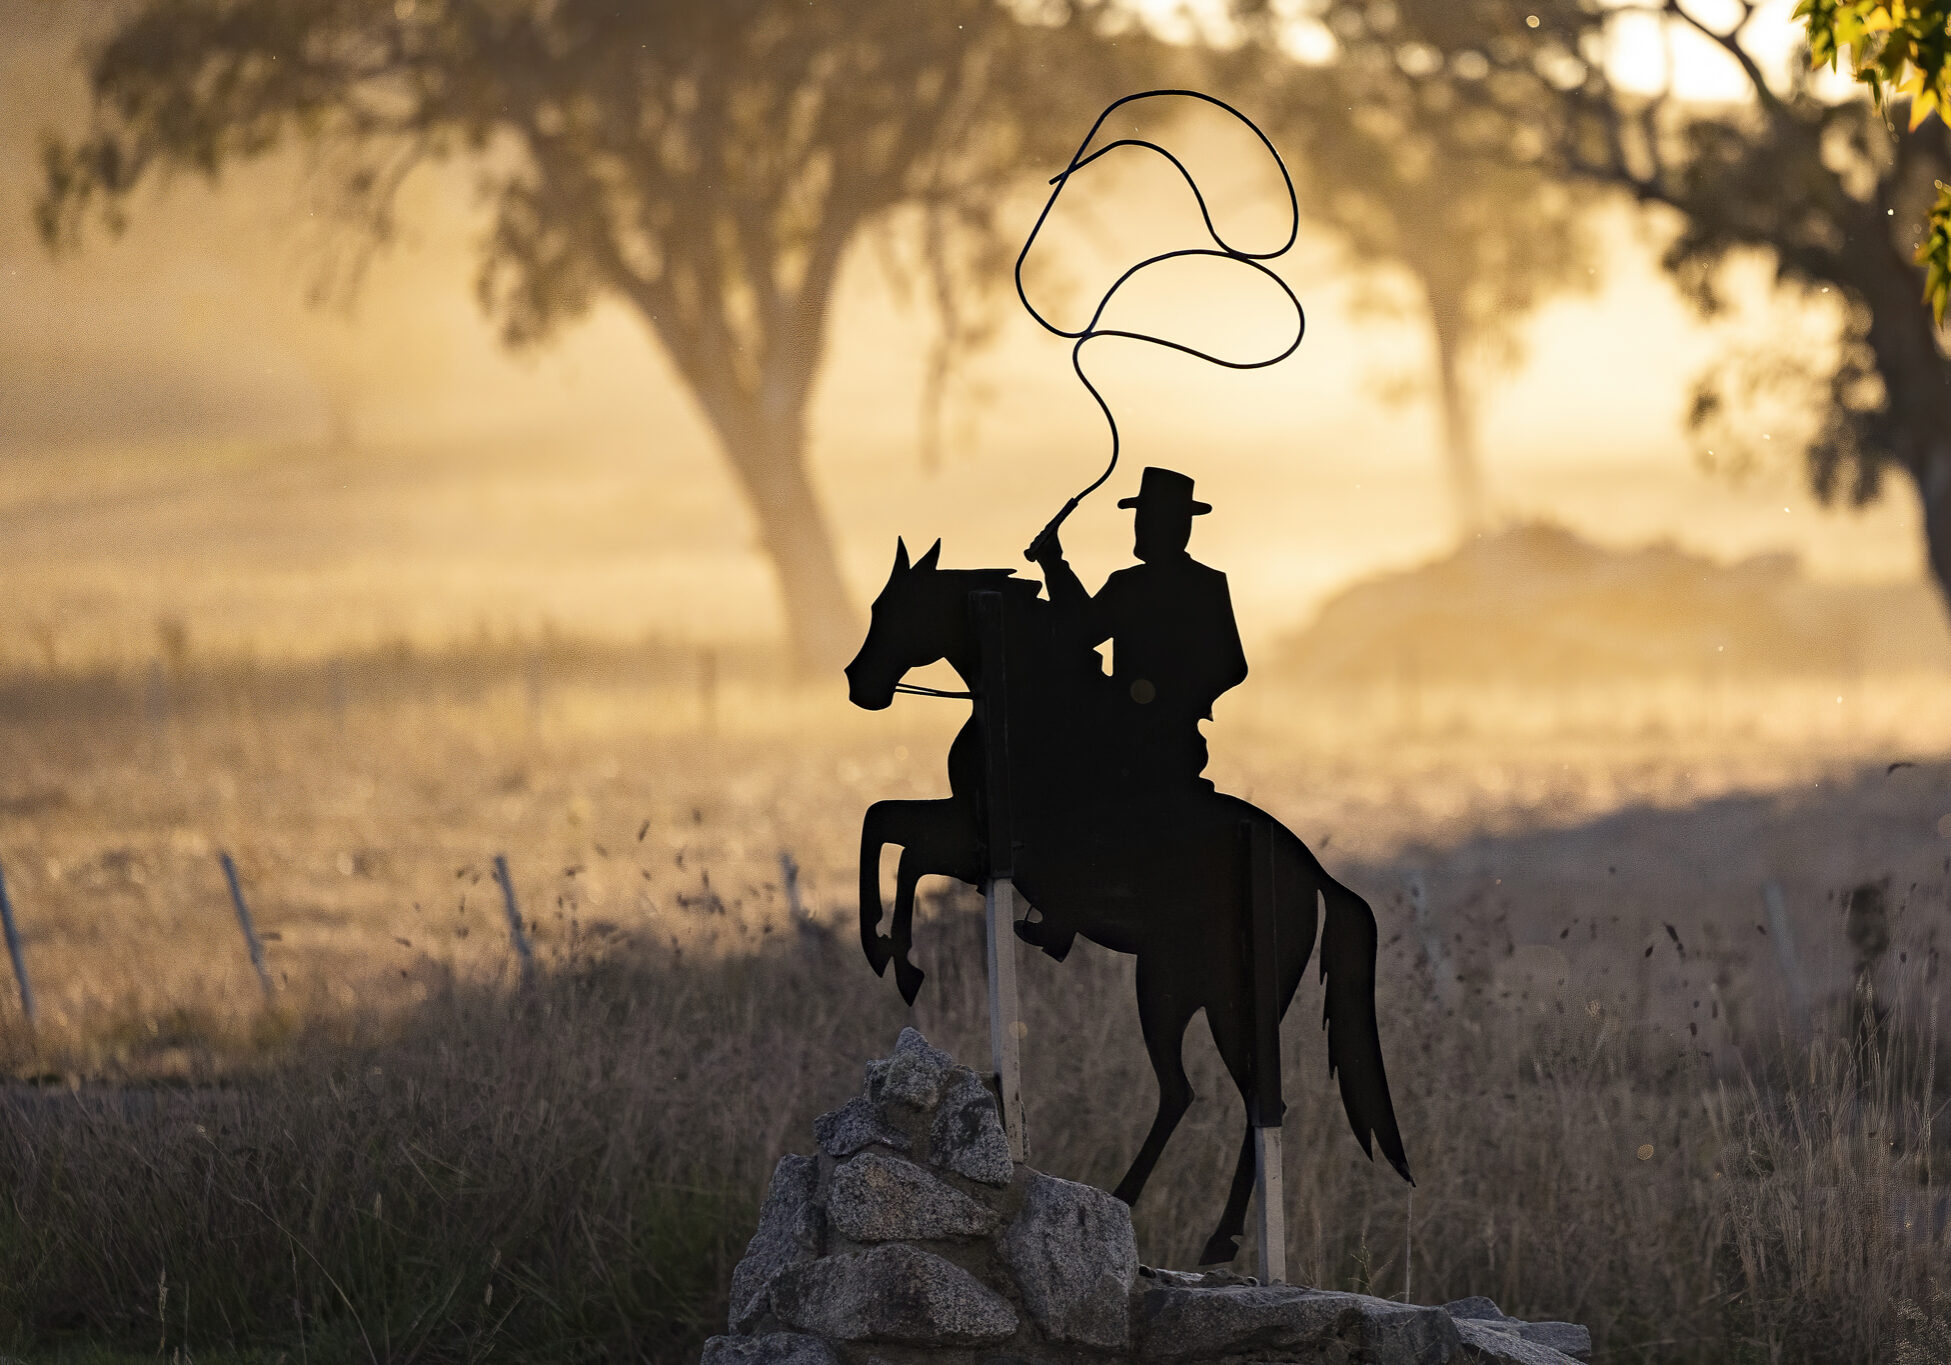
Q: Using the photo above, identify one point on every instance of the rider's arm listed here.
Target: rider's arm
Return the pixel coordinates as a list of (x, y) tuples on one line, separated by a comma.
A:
[(1069, 595)]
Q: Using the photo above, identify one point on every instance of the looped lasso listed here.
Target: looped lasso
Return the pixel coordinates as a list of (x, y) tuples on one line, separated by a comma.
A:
[(1220, 250)]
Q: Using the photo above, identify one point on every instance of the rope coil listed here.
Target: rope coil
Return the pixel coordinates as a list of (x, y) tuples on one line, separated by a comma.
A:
[(1220, 250)]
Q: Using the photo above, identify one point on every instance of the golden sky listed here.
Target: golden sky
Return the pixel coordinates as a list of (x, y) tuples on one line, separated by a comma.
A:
[(163, 398)]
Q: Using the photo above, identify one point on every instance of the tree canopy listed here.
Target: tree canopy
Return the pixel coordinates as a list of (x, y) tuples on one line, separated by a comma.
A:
[(707, 164), (1481, 237), (1827, 189), (1901, 51)]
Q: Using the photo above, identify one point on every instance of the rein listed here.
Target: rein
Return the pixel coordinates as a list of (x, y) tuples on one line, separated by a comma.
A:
[(917, 690)]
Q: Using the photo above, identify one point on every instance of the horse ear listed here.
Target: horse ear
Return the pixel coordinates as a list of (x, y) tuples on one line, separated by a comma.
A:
[(900, 555), (929, 560)]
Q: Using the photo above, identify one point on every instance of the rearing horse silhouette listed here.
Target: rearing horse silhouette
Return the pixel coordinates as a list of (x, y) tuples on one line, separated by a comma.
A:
[(1161, 875)]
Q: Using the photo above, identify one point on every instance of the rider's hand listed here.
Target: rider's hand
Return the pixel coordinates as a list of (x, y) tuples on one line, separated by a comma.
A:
[(1050, 550)]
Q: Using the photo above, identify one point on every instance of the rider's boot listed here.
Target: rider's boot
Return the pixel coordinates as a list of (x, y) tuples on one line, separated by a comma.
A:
[(1043, 934)]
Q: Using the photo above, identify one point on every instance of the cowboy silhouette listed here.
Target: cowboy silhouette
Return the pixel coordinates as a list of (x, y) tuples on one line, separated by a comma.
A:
[(1175, 650)]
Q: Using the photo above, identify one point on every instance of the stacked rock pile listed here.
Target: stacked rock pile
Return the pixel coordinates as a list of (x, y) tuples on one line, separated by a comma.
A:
[(911, 1236)]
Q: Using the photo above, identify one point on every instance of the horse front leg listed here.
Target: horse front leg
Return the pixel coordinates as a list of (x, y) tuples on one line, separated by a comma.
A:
[(913, 867), (937, 838), (873, 837)]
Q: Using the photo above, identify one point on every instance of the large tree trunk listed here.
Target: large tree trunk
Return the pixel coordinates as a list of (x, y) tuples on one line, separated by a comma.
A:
[(1461, 459), (1934, 486), (1916, 377), (770, 459), (762, 428)]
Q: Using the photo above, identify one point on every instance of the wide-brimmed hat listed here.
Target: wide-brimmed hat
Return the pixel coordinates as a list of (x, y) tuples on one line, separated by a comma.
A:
[(1168, 487)]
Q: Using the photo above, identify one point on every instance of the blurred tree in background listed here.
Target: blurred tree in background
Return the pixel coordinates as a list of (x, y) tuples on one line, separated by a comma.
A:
[(1900, 50), (1482, 237), (707, 164), (1823, 186)]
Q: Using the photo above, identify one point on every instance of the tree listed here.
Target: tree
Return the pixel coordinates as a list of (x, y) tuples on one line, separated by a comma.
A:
[(707, 164), (1482, 240), (1824, 187), (1900, 49)]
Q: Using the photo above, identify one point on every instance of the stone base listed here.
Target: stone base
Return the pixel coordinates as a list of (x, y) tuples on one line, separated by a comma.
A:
[(911, 1237)]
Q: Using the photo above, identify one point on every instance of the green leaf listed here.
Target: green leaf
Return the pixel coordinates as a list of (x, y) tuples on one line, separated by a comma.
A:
[(1934, 254)]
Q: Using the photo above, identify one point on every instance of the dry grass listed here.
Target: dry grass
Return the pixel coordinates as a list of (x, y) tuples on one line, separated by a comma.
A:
[(407, 1157)]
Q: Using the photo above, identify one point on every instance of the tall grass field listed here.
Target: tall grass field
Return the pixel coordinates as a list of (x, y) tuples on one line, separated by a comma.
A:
[(1618, 1111)]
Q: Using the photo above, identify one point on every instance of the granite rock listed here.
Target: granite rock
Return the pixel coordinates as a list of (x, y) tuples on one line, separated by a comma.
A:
[(1566, 1338), (912, 1077), (856, 1124), (968, 1135), (893, 1293), (1180, 1324), (1500, 1343), (789, 1233), (1074, 1257), (774, 1348), (878, 1198)]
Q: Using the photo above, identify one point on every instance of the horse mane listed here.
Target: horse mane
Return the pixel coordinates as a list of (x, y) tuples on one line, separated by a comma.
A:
[(1002, 580)]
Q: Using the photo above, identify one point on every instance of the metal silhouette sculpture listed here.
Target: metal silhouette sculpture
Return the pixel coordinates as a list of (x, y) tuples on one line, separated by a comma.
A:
[(1084, 791)]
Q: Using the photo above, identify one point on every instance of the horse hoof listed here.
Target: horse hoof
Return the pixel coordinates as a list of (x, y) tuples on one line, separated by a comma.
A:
[(908, 977), (880, 951), (1221, 1250)]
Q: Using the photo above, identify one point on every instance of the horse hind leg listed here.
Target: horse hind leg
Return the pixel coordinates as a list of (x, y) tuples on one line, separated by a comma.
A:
[(1232, 1036), (1163, 1016), (1225, 1242)]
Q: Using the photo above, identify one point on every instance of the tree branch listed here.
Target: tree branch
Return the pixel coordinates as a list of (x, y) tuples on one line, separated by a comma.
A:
[(1730, 42)]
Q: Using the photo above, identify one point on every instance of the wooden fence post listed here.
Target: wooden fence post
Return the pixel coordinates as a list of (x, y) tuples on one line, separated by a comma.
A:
[(789, 880), (515, 932), (1442, 972), (1784, 941), (999, 888), (251, 940), (14, 952)]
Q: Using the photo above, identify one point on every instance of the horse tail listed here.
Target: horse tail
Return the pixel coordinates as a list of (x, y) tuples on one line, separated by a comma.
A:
[(1354, 1042)]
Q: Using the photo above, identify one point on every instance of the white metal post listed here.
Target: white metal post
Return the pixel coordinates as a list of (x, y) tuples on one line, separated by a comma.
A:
[(1272, 1207), (999, 894), (1263, 978), (1005, 1016)]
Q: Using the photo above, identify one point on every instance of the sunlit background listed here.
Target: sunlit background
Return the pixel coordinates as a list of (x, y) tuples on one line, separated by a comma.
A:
[(186, 439), (1646, 741)]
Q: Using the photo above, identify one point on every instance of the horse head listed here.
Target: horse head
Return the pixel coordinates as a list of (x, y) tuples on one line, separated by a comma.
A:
[(908, 629)]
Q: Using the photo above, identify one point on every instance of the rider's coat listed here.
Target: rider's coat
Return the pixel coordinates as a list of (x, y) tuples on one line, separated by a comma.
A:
[(1175, 649)]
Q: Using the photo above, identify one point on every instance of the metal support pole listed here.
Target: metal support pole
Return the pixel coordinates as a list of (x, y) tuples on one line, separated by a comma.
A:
[(1263, 962), (14, 952), (1005, 1026), (251, 940), (999, 890), (515, 934)]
